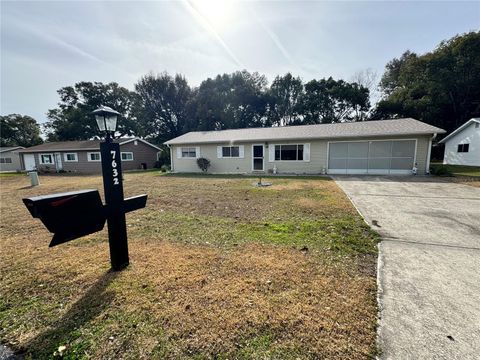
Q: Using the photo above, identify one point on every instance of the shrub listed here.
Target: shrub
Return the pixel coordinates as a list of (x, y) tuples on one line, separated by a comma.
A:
[(440, 170), (164, 168), (203, 164)]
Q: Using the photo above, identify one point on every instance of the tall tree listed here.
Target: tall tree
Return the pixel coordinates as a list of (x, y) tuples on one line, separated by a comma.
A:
[(19, 130), (440, 87), (234, 100), (329, 100), (164, 106), (72, 119), (285, 99)]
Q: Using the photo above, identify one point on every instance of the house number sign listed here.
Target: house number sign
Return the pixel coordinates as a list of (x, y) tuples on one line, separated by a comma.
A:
[(114, 168)]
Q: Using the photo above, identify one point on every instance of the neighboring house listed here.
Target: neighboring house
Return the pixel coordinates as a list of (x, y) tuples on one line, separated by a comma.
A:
[(10, 159), (462, 147), (370, 147), (84, 156)]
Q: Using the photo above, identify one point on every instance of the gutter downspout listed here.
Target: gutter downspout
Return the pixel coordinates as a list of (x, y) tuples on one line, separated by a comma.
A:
[(171, 158), (429, 154)]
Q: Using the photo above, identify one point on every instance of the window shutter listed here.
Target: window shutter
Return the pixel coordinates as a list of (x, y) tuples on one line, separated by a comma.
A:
[(241, 151), (271, 153), (219, 152), (179, 152), (306, 152), (197, 151)]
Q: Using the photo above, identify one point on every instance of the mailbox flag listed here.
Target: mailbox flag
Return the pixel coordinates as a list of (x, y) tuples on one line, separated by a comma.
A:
[(69, 215)]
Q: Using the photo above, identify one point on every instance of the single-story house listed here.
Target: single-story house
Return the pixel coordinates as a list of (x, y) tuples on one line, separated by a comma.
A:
[(462, 146), (10, 159), (370, 147), (84, 156)]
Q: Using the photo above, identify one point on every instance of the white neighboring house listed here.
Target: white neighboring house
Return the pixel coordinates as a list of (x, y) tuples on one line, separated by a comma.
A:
[(462, 147)]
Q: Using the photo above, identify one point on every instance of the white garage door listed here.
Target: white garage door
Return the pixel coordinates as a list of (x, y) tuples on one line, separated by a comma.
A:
[(371, 157)]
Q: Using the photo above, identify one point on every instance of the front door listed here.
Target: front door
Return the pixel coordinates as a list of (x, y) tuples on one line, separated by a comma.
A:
[(257, 156), (29, 162), (58, 161)]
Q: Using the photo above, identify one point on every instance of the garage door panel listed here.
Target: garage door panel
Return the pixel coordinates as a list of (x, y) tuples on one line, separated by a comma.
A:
[(338, 150), (372, 157), (402, 163), (379, 163), (338, 163), (380, 149), (358, 149)]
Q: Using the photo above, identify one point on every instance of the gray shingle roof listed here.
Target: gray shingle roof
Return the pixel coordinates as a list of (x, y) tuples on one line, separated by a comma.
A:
[(77, 145), (10, 148), (394, 127)]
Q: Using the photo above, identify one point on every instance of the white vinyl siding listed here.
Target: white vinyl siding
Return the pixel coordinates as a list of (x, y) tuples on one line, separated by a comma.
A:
[(70, 157), (94, 156)]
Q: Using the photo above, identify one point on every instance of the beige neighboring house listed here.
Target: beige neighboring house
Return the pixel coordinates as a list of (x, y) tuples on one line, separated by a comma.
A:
[(370, 147), (10, 159), (84, 156)]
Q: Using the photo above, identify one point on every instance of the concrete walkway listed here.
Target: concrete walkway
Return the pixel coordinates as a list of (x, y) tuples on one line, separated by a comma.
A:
[(429, 264)]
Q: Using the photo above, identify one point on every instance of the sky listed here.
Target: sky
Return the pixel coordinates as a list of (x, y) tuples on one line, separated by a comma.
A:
[(48, 45)]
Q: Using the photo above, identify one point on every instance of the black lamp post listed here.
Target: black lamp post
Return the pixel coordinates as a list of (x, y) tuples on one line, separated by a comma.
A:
[(106, 119)]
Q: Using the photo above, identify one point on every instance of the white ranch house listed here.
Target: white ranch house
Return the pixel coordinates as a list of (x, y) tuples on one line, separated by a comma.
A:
[(371, 147)]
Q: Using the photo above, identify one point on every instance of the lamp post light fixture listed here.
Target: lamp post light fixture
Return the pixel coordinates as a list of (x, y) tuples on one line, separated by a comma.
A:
[(106, 119)]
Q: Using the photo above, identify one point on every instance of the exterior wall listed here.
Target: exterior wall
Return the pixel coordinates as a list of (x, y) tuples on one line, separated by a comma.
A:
[(316, 165), (469, 135), (14, 165), (142, 153)]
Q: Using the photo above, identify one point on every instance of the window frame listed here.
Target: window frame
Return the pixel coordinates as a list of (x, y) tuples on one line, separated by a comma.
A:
[(229, 156), (189, 151), (296, 152), (65, 157), (463, 148), (52, 159), (126, 153), (5, 160), (89, 159)]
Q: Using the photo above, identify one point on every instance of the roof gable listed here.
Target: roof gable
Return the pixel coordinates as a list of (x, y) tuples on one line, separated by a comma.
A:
[(460, 129)]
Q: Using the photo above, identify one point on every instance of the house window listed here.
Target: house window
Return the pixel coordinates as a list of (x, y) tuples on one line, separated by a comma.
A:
[(463, 148), (230, 151), (5, 160), (289, 152), (93, 156), (189, 153), (127, 156), (46, 159), (70, 157), (477, 125)]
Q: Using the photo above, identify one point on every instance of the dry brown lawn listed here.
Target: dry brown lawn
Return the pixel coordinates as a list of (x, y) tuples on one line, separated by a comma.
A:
[(219, 269)]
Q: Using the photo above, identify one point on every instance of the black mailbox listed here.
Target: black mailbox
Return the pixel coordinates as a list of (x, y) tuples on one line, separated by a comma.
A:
[(75, 214), (69, 215)]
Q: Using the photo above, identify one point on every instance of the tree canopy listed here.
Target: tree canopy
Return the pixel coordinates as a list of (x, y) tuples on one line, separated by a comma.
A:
[(72, 119), (19, 130), (440, 88)]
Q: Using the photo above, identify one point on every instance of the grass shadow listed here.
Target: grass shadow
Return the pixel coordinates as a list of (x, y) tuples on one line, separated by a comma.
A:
[(67, 329)]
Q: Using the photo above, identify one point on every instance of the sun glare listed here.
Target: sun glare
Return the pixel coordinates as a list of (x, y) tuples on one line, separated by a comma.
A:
[(216, 12)]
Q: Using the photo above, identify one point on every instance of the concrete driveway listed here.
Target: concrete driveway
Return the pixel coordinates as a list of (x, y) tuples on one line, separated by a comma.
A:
[(429, 264)]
